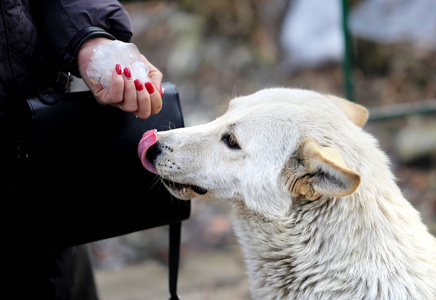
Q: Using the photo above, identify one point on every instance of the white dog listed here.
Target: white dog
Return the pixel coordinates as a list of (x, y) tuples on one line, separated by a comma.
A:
[(318, 213)]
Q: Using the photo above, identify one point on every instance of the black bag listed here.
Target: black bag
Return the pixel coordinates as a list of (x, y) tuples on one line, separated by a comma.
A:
[(86, 181), (83, 165)]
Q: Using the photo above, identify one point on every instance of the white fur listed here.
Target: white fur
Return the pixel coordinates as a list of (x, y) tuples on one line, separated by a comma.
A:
[(369, 244)]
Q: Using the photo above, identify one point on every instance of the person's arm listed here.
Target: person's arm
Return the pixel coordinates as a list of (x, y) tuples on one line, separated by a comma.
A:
[(61, 20)]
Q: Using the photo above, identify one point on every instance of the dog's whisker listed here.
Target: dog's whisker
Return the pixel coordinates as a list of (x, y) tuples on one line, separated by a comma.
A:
[(234, 92), (226, 95), (171, 125), (154, 181)]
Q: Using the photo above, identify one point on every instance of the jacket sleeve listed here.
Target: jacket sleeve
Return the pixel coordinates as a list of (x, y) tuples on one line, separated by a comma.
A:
[(60, 20)]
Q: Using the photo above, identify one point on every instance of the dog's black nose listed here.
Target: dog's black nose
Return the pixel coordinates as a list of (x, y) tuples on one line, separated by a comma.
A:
[(153, 152)]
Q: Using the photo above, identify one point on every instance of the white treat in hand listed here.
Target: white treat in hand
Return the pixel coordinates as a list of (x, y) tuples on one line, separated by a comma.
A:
[(107, 55)]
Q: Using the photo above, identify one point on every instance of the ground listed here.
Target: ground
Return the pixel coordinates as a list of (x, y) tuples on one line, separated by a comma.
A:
[(211, 275)]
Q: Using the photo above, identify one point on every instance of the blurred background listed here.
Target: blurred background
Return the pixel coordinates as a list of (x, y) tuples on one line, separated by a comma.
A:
[(214, 50)]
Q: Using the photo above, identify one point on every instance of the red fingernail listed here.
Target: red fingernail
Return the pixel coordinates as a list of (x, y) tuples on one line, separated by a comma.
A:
[(149, 87), (127, 73), (138, 84), (161, 92), (118, 69)]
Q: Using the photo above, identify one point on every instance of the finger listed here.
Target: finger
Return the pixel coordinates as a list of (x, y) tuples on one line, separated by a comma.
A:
[(156, 79), (116, 91), (154, 74), (144, 109), (155, 98), (129, 102)]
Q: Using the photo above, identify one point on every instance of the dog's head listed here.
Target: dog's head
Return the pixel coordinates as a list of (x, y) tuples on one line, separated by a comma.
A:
[(268, 149)]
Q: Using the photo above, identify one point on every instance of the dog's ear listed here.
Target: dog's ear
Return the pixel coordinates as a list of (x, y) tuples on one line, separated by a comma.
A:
[(320, 171), (355, 112)]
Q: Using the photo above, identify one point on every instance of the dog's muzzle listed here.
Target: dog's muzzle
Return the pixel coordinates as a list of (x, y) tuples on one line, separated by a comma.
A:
[(148, 150)]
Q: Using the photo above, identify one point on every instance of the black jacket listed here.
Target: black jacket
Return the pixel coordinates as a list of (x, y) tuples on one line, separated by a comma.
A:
[(34, 35)]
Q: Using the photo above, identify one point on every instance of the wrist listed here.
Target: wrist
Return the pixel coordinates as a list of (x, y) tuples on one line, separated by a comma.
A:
[(86, 51), (70, 62)]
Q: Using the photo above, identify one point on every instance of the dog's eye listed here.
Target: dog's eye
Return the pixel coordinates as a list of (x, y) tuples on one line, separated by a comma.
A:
[(231, 142)]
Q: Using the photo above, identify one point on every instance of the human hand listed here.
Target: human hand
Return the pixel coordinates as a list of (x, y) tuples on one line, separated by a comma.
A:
[(125, 92)]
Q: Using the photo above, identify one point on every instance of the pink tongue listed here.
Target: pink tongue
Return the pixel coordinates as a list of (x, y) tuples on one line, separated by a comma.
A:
[(148, 139)]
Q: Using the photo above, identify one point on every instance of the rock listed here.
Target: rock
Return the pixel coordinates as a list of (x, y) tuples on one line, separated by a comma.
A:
[(417, 141)]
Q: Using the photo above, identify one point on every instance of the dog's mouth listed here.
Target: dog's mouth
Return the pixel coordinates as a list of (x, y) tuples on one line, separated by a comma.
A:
[(148, 151), (184, 188)]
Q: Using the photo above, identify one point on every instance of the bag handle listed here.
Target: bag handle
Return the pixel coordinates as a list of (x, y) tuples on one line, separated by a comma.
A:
[(174, 252)]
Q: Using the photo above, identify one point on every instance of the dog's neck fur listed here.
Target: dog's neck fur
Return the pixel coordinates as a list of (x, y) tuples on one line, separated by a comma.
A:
[(329, 249)]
